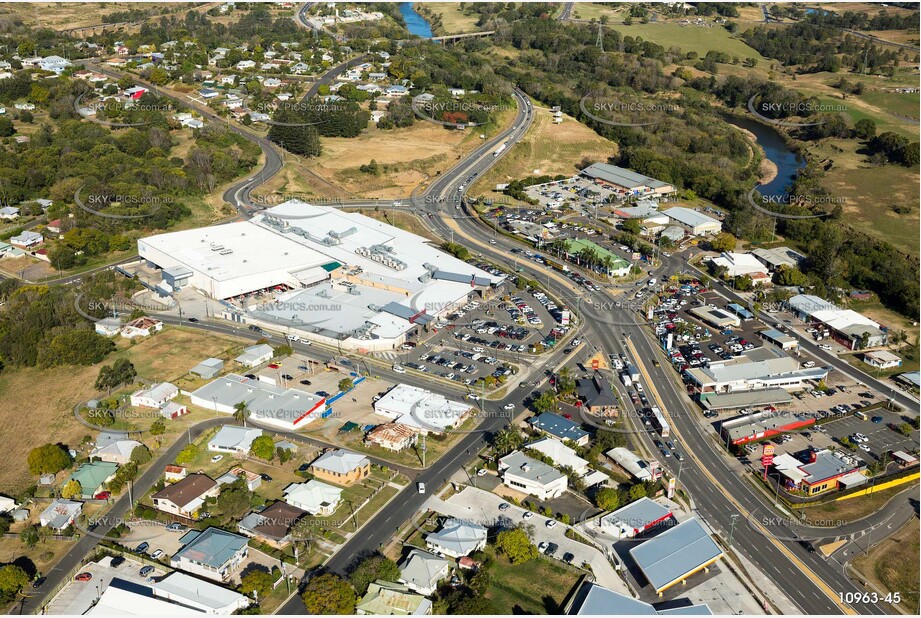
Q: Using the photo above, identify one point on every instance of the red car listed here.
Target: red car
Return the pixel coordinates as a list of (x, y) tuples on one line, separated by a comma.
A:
[(273, 366), (83, 577), (103, 495)]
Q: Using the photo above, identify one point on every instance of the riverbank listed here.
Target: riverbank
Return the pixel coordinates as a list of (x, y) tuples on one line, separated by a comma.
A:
[(767, 170)]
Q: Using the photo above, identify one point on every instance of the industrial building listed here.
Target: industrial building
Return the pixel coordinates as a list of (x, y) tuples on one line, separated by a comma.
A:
[(781, 340), (627, 182), (779, 256), (694, 222), (847, 327), (284, 408), (337, 277), (635, 518), (672, 557), (757, 426), (825, 471), (738, 264)]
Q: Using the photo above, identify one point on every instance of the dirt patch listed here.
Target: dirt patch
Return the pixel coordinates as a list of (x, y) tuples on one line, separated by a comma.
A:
[(892, 566)]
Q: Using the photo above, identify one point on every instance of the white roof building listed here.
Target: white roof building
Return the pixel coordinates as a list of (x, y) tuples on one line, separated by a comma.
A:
[(340, 461), (315, 497), (457, 538), (268, 404), (233, 439), (532, 476), (182, 589), (696, 223), (561, 454), (421, 409), (60, 514), (117, 452), (421, 571), (738, 264), (255, 355), (155, 395)]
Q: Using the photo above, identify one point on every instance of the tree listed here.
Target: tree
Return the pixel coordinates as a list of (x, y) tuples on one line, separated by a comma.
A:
[(329, 594), (607, 498), (29, 536), (723, 241), (158, 427), (788, 275), (140, 454), (516, 545), (507, 440), (631, 226), (259, 581), (48, 459), (72, 490), (636, 492), (545, 402), (372, 568), (234, 500), (240, 412), (112, 376), (13, 578), (6, 127), (263, 448), (865, 129), (187, 454), (345, 384)]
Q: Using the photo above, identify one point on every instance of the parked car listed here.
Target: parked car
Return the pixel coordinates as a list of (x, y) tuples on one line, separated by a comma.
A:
[(504, 506), (156, 554), (143, 547), (103, 495), (145, 571), (551, 523), (83, 577), (217, 458), (177, 527), (116, 561)]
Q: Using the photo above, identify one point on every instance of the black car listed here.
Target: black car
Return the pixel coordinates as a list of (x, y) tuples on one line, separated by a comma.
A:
[(38, 582), (117, 560), (568, 558), (305, 382), (193, 320), (287, 377), (265, 477), (250, 376), (551, 549), (322, 393), (808, 546)]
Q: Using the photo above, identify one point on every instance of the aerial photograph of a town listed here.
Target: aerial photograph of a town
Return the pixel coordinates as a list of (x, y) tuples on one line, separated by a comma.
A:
[(460, 308)]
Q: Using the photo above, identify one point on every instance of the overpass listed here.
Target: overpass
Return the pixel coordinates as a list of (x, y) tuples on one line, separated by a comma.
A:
[(452, 38)]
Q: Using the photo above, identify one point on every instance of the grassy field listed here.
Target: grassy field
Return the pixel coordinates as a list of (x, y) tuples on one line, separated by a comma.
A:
[(48, 411), (594, 10), (74, 14), (403, 220), (892, 566), (690, 38), (539, 586), (546, 149), (453, 19), (855, 508)]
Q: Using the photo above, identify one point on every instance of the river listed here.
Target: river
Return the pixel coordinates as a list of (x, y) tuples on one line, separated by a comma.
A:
[(415, 23), (788, 163)]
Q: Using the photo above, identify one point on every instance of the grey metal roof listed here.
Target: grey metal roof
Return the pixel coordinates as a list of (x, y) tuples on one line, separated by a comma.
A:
[(458, 536), (775, 335), (556, 425), (444, 275), (422, 569), (746, 399), (825, 466), (689, 217), (178, 587), (529, 468), (676, 553), (759, 422), (341, 461), (638, 514), (596, 391), (213, 547), (407, 313), (622, 177), (595, 600)]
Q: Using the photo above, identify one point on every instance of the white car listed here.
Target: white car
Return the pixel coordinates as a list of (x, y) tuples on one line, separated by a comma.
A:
[(217, 458), (551, 523), (825, 347), (482, 472), (399, 369), (528, 515), (477, 349), (420, 487), (492, 242), (864, 448), (156, 554), (292, 337), (508, 406)]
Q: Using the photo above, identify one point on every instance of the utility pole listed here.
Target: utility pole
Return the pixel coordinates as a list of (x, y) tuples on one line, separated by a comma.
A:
[(732, 526), (600, 40), (423, 450)]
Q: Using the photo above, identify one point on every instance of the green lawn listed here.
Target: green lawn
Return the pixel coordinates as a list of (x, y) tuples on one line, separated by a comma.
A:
[(539, 586), (690, 38)]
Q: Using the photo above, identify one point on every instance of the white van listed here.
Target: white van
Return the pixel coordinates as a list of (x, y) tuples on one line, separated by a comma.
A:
[(399, 369), (292, 337)]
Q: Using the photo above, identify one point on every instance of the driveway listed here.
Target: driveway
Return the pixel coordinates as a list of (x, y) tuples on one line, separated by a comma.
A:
[(483, 507)]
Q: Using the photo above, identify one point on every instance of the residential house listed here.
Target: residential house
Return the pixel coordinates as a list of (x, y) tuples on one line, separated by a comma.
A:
[(255, 355), (186, 496), (389, 599), (457, 538), (27, 240), (54, 226), (9, 213), (208, 93), (143, 326), (559, 428), (55, 64), (93, 476), (244, 65), (118, 452), (421, 571), (155, 395), (313, 497), (300, 68), (392, 436), (108, 327), (60, 514), (532, 476), (396, 91), (234, 439), (251, 479), (341, 467), (208, 368), (272, 524), (215, 554)]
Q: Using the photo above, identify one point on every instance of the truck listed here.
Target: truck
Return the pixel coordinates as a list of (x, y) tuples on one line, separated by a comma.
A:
[(500, 149)]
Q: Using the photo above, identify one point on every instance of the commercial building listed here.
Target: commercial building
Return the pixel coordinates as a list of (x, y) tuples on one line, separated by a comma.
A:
[(636, 518), (532, 476), (592, 599), (882, 359), (675, 555), (420, 409), (738, 264), (694, 222), (760, 425), (186, 497), (596, 395), (563, 456), (233, 439), (630, 462), (849, 328), (626, 182), (718, 318), (777, 257), (340, 278), (782, 340), (208, 368), (213, 553), (314, 497), (124, 598), (187, 591), (287, 409), (757, 369), (825, 471), (457, 538), (616, 266), (745, 399), (421, 571), (341, 467), (559, 428)]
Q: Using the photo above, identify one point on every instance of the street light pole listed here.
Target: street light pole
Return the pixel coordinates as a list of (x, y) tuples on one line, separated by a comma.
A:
[(732, 526)]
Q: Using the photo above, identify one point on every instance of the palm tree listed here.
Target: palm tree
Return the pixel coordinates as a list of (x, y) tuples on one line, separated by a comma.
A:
[(507, 440), (240, 412)]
